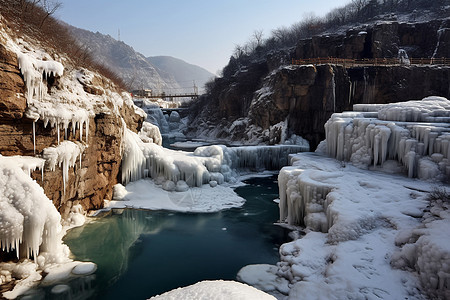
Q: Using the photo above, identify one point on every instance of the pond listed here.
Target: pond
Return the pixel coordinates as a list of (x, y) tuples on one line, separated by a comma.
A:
[(144, 253)]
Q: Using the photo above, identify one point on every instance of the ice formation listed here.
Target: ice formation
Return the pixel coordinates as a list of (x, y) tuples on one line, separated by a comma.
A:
[(147, 194), (154, 113), (360, 224), (29, 222), (150, 133), (218, 290), (69, 107), (205, 164), (355, 219), (65, 156), (414, 133)]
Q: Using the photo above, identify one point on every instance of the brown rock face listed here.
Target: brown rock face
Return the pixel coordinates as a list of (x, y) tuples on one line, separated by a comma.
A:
[(307, 96), (88, 184), (12, 103)]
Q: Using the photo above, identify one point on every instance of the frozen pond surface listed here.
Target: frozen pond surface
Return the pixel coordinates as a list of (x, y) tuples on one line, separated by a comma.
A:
[(143, 253)]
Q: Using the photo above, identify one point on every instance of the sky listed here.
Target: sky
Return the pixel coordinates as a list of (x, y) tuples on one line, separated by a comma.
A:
[(200, 32)]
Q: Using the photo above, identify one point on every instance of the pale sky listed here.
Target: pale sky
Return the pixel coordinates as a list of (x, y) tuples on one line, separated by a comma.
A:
[(200, 32)]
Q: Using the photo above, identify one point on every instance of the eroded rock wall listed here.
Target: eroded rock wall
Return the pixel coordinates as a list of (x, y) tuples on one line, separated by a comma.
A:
[(308, 95), (89, 183)]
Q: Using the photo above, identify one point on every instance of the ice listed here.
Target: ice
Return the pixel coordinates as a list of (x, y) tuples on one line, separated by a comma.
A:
[(407, 132), (65, 156), (150, 133), (218, 290), (85, 268), (29, 222), (69, 106), (141, 158), (34, 72), (366, 231), (146, 194), (352, 218), (154, 114)]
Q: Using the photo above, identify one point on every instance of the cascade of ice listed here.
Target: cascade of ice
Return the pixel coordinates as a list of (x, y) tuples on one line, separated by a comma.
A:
[(411, 135), (65, 155), (439, 35), (28, 218), (58, 114), (155, 115), (142, 158), (405, 131)]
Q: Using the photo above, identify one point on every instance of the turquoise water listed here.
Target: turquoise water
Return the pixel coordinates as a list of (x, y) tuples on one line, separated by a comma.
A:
[(144, 253)]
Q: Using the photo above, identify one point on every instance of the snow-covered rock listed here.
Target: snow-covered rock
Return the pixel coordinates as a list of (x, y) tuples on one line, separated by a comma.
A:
[(218, 289)]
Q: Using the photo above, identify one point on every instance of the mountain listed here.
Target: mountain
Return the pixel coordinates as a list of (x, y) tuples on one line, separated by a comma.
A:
[(138, 72), (183, 72)]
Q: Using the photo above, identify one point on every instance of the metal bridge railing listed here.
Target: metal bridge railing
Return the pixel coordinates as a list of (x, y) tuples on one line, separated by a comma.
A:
[(371, 61)]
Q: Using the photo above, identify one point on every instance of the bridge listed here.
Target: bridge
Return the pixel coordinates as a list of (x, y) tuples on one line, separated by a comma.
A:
[(172, 96), (349, 63)]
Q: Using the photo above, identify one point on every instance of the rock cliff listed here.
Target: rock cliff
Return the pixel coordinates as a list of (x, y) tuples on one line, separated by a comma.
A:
[(267, 99), (91, 182)]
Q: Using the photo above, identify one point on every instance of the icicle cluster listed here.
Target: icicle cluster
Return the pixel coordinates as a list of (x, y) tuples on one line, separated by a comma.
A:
[(414, 133), (60, 114), (64, 155), (34, 72), (28, 219)]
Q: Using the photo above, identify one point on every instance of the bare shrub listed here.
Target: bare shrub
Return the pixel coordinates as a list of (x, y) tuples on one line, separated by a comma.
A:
[(439, 194), (34, 18)]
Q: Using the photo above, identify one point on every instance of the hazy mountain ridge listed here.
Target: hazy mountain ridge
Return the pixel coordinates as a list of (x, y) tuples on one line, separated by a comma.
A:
[(184, 73), (137, 71)]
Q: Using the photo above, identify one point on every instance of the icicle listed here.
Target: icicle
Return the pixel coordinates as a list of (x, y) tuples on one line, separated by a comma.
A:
[(34, 137), (81, 131), (57, 129)]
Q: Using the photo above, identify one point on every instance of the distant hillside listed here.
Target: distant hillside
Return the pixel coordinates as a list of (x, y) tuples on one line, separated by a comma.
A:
[(183, 72), (135, 69)]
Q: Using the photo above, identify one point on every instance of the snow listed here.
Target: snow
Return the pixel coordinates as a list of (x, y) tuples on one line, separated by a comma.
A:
[(217, 290), (29, 225), (353, 218), (28, 218), (146, 194), (369, 234)]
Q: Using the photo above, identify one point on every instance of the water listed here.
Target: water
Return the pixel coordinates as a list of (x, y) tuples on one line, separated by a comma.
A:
[(144, 253)]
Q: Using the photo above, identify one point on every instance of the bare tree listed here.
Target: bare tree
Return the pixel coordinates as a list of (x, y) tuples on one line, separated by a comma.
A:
[(49, 7), (258, 37)]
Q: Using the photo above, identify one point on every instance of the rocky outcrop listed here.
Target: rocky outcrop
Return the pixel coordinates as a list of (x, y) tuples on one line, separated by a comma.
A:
[(301, 99), (89, 183), (306, 96), (382, 40)]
